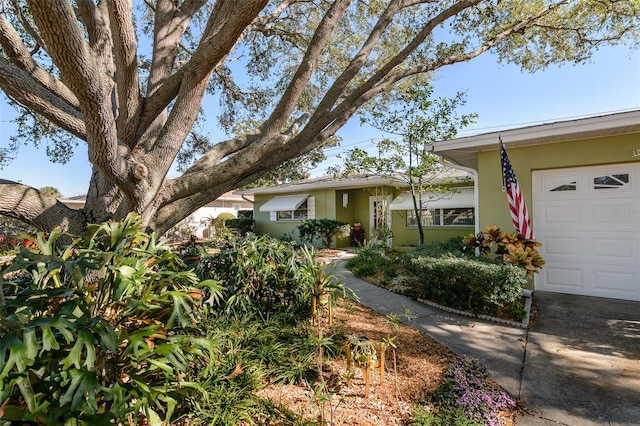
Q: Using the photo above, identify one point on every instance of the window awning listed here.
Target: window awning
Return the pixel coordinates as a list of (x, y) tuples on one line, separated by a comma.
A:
[(284, 203), (460, 198)]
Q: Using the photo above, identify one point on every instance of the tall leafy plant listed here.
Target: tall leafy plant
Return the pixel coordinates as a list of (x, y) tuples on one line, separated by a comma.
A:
[(100, 331), (511, 248), (323, 229), (260, 277)]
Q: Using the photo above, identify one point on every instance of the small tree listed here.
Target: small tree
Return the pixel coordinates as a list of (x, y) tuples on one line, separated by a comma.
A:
[(419, 121), (324, 229)]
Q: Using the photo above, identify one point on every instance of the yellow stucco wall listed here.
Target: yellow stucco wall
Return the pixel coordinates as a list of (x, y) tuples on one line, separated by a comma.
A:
[(324, 207), (404, 235), (494, 209), (329, 204)]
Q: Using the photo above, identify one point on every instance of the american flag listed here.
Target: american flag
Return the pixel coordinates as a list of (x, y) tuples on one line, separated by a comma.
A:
[(517, 205)]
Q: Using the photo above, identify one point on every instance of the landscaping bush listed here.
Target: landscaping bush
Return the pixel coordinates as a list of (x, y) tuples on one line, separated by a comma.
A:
[(256, 352), (243, 225), (102, 331), (372, 261), (468, 394), (323, 229), (261, 275), (465, 283), (452, 247)]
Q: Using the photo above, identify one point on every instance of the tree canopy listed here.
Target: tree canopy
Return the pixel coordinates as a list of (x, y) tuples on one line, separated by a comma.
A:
[(418, 121), (127, 79)]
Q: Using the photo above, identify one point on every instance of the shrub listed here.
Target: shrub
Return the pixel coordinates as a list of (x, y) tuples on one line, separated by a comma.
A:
[(256, 352), (452, 247), (466, 388), (101, 331), (243, 225), (465, 283), (323, 229), (371, 261), (260, 276)]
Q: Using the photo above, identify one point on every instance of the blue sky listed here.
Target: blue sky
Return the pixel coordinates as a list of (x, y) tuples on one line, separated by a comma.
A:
[(501, 95)]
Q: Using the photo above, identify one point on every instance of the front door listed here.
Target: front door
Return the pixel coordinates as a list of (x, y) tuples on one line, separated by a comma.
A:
[(380, 218)]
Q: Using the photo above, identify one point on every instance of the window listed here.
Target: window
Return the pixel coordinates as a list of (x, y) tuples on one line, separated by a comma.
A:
[(561, 183), (571, 186), (290, 207), (611, 181), (443, 217), (301, 213)]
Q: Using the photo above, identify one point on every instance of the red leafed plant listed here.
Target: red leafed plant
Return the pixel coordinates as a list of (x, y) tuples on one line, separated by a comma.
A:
[(512, 248)]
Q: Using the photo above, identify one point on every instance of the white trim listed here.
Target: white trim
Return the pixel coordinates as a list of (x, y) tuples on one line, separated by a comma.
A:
[(311, 207), (446, 175), (621, 123), (465, 150)]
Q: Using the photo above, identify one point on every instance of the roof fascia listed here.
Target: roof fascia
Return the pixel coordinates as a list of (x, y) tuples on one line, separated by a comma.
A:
[(544, 133)]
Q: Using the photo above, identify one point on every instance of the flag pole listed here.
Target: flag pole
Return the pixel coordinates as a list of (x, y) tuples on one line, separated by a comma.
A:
[(504, 182)]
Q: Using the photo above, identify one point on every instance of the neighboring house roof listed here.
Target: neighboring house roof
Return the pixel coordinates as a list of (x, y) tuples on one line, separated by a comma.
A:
[(76, 202), (232, 196), (464, 150), (351, 182)]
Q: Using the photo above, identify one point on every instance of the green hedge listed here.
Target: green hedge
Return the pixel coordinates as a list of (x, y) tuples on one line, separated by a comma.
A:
[(243, 225), (465, 283), (369, 262)]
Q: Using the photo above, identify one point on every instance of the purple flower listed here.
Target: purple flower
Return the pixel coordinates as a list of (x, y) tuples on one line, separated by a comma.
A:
[(470, 390)]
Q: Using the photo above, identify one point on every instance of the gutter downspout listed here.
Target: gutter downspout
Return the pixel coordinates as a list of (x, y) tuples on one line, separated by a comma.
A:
[(246, 199)]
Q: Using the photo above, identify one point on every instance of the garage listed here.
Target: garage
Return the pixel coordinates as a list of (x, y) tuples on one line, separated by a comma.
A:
[(588, 220)]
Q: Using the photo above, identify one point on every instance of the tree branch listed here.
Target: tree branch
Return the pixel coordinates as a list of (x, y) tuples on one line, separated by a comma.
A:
[(226, 24), (305, 70), (29, 29), (21, 87), (126, 63), (78, 65), (40, 210), (19, 55)]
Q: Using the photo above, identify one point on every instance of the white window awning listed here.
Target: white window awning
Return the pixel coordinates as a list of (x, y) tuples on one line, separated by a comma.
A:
[(284, 203), (459, 198)]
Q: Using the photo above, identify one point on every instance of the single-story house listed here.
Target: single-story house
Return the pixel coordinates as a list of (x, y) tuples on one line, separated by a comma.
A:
[(581, 182), (228, 205), (370, 201)]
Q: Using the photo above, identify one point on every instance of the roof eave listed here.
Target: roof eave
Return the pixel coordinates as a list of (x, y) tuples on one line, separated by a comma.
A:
[(464, 150)]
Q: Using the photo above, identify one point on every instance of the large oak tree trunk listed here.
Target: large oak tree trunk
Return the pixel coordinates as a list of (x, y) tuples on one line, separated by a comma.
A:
[(78, 66)]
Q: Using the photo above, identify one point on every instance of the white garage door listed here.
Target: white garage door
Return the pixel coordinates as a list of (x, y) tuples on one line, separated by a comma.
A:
[(588, 220)]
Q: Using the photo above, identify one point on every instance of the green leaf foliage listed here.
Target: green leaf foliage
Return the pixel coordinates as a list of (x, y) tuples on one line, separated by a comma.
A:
[(324, 230), (100, 330), (260, 276), (465, 283)]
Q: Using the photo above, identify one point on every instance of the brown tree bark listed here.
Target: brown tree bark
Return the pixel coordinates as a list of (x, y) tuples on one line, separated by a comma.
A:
[(134, 118)]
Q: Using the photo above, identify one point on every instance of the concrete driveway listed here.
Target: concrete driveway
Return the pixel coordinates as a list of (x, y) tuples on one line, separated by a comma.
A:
[(582, 362), (578, 364)]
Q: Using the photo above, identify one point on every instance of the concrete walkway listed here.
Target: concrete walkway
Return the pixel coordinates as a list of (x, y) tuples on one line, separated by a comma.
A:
[(579, 364)]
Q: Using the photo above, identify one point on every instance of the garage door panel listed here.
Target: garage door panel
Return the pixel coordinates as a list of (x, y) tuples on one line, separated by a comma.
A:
[(562, 246), (562, 214), (588, 220), (621, 284), (616, 214), (616, 251), (563, 279)]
